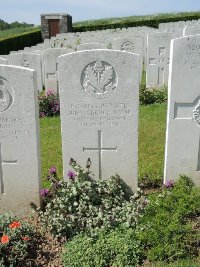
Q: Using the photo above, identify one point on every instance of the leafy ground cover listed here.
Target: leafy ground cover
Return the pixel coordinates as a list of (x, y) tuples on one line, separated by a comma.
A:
[(101, 223), (181, 263)]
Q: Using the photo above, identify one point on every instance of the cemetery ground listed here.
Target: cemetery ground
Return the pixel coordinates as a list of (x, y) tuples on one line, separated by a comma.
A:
[(152, 123), (100, 223), (171, 214)]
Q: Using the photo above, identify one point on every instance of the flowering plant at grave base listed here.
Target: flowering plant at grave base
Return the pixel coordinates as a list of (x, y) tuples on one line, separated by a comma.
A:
[(71, 175), (46, 193), (85, 205), (169, 184), (16, 238), (49, 104)]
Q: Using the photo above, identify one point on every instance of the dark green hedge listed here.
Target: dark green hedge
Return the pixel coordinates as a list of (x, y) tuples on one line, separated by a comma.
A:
[(19, 41), (125, 24)]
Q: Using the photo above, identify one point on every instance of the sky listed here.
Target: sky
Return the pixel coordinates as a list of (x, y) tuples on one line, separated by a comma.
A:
[(29, 10)]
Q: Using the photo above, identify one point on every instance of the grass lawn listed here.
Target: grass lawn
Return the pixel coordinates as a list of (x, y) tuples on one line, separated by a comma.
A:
[(152, 123), (11, 32), (134, 18)]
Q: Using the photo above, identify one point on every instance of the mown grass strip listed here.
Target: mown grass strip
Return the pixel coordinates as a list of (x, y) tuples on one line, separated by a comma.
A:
[(152, 123), (15, 31)]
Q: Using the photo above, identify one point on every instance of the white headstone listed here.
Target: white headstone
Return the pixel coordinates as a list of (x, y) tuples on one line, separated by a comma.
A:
[(192, 30), (182, 155), (50, 67), (99, 91), (28, 60), (3, 61), (158, 56), (89, 46), (130, 45), (4, 56), (19, 140)]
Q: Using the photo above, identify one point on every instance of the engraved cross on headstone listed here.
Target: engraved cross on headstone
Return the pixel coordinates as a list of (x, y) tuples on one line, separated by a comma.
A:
[(2, 162), (53, 75), (189, 111), (100, 149), (160, 61)]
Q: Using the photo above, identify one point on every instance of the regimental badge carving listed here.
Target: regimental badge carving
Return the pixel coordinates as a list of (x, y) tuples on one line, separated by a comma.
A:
[(6, 94), (196, 114), (99, 79), (26, 63), (128, 47)]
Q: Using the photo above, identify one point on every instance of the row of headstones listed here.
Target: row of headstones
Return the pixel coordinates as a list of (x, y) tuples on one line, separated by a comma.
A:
[(153, 49), (99, 95), (45, 61), (175, 26), (42, 58)]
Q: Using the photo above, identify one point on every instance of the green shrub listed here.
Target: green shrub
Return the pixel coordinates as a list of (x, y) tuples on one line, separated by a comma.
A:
[(180, 263), (152, 95), (168, 234), (49, 104), (117, 248), (19, 41), (16, 236), (83, 204)]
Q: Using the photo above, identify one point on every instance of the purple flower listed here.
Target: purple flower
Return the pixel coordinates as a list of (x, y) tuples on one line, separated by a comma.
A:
[(52, 170), (71, 174), (169, 183), (44, 192), (58, 184), (50, 92)]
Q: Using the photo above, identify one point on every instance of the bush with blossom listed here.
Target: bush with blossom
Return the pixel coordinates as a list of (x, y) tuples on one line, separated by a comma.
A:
[(49, 104), (47, 193), (16, 238), (84, 204)]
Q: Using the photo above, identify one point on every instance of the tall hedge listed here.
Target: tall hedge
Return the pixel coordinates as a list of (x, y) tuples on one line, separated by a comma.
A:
[(154, 23), (19, 41)]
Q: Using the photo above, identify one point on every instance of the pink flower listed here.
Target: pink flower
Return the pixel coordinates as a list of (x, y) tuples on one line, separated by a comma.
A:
[(50, 92), (52, 170), (169, 183), (44, 192)]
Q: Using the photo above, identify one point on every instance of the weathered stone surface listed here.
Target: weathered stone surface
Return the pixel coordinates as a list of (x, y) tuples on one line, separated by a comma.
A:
[(99, 91), (133, 45), (65, 23), (29, 60), (158, 56), (192, 30), (3, 61), (182, 155), (89, 46), (50, 67), (19, 140)]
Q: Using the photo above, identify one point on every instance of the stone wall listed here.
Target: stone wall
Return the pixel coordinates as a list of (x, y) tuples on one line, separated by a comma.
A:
[(65, 23)]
